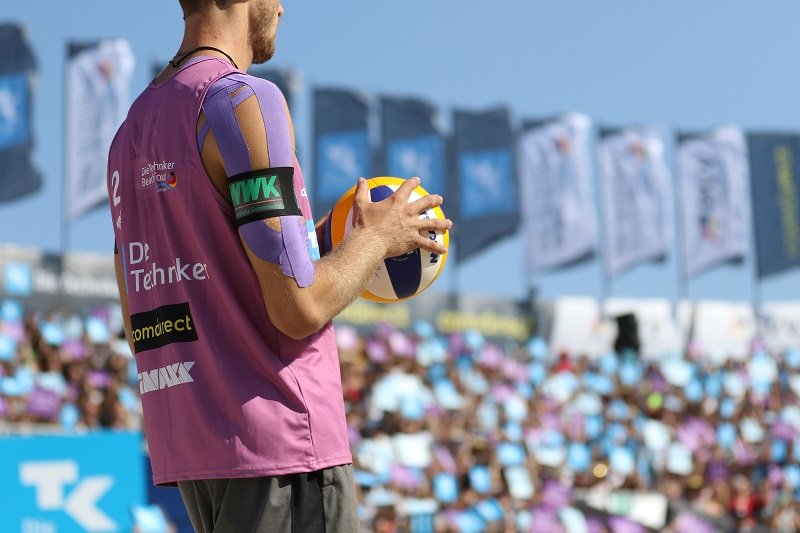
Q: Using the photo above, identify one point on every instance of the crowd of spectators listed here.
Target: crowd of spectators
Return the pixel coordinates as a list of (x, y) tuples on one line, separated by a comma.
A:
[(464, 434)]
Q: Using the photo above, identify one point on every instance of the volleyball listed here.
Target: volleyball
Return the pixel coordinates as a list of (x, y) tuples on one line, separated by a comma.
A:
[(401, 277)]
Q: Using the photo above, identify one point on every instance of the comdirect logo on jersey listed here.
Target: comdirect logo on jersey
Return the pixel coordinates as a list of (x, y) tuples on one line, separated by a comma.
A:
[(161, 326)]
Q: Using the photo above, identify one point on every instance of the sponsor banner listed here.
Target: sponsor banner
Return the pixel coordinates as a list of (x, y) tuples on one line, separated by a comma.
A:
[(72, 483), (723, 330), (342, 151), (413, 145), (581, 326), (636, 192), (40, 279), (97, 99), (714, 198), (775, 183), (483, 179), (494, 318), (780, 325), (559, 216), (18, 177), (660, 333), (578, 327), (646, 508)]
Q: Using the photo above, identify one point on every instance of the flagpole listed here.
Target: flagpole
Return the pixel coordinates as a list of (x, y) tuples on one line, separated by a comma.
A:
[(65, 222), (606, 282), (681, 254)]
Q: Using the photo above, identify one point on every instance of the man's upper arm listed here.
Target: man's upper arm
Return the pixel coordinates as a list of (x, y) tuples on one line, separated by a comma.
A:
[(276, 243)]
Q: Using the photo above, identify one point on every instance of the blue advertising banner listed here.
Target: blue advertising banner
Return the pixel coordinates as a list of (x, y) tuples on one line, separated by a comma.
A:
[(342, 149), (18, 177), (412, 143), (484, 180), (56, 483), (775, 184)]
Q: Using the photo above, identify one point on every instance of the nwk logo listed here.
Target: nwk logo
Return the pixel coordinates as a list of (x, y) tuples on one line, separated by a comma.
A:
[(256, 190), (263, 193)]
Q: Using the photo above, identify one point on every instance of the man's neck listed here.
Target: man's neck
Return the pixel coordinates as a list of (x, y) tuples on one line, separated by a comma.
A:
[(226, 29)]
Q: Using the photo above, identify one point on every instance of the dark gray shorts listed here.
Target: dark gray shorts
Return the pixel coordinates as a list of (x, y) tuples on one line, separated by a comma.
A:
[(316, 502)]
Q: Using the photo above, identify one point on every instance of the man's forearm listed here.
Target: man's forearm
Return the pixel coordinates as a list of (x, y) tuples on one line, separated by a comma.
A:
[(343, 274)]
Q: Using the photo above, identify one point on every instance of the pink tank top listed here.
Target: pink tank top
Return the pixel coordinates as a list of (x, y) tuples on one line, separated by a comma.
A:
[(225, 394)]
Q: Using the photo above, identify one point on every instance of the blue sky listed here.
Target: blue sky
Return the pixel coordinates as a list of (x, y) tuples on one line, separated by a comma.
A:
[(681, 64)]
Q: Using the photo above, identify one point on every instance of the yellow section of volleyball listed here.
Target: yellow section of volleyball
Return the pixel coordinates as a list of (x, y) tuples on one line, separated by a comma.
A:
[(398, 278)]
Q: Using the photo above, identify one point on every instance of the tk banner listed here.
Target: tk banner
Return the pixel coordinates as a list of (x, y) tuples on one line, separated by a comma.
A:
[(484, 180), (18, 177), (91, 482), (775, 182), (559, 215), (714, 195)]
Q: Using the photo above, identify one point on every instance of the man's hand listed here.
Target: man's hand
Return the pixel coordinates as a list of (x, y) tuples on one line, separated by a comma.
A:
[(395, 223)]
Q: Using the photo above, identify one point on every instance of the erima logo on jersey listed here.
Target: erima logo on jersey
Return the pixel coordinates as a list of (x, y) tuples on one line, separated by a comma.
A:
[(164, 377)]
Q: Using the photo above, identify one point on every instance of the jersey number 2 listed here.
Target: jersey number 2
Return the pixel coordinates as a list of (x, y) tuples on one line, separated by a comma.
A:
[(115, 182)]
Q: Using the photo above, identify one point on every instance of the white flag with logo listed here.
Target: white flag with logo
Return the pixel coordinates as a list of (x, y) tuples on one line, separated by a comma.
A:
[(559, 216), (635, 185), (97, 100), (713, 174)]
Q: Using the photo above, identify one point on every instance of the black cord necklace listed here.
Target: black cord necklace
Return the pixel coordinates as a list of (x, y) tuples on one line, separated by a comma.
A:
[(176, 62)]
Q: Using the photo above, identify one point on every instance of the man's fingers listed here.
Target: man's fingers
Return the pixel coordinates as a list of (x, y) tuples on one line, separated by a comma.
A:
[(434, 224), (426, 202), (360, 198), (431, 245), (362, 191), (404, 191)]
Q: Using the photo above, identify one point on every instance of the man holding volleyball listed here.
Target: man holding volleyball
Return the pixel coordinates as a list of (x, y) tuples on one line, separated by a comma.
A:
[(227, 305)]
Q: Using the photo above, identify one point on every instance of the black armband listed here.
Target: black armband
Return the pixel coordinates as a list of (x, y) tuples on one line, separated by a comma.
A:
[(262, 194)]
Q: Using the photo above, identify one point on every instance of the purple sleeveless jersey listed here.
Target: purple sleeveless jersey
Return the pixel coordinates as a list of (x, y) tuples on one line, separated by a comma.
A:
[(225, 394)]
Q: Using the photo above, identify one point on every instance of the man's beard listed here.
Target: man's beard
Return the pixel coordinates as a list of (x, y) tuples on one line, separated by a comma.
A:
[(262, 34)]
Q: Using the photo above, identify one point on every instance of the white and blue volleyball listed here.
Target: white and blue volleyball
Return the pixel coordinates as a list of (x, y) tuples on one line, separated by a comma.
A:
[(398, 278)]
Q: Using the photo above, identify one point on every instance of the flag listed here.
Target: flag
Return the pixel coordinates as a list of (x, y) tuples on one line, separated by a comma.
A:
[(635, 188), (18, 177), (342, 148), (714, 198), (412, 143), (484, 178), (286, 80), (98, 77), (559, 216), (775, 183)]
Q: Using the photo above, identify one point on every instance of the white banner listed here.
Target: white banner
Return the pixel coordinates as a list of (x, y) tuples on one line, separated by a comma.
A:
[(559, 217), (97, 100), (636, 192), (661, 332), (580, 326), (724, 330), (714, 189), (780, 325)]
